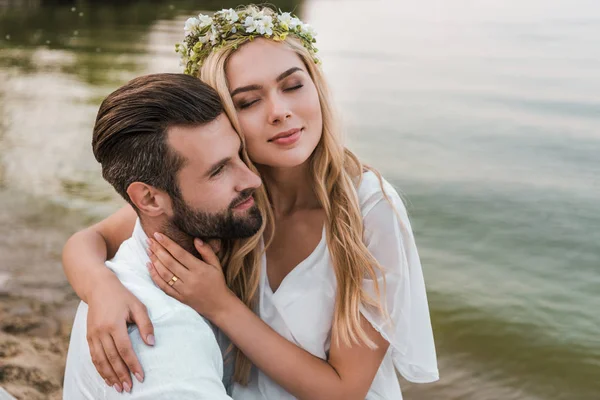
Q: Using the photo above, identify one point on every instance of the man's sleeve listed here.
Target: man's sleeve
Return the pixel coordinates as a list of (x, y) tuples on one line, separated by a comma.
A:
[(184, 364)]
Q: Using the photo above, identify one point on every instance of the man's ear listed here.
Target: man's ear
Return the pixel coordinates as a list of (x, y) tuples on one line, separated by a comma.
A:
[(149, 200)]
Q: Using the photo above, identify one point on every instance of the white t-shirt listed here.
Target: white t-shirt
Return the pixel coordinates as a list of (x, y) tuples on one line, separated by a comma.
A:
[(186, 362), (301, 309)]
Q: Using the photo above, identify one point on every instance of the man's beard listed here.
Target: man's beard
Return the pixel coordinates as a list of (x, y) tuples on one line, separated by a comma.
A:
[(221, 225)]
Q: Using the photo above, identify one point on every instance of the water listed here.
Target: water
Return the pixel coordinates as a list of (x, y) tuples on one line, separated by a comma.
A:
[(486, 115)]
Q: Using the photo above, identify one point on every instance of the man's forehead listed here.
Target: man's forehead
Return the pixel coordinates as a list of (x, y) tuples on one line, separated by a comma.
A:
[(204, 143)]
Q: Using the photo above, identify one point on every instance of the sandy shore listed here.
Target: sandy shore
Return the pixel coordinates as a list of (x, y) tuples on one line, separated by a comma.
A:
[(33, 347), (37, 305)]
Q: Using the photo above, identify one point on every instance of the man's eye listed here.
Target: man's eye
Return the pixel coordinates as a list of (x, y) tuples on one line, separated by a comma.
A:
[(218, 171)]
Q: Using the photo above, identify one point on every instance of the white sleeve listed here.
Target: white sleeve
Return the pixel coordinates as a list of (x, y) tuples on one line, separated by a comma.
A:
[(185, 363), (390, 240)]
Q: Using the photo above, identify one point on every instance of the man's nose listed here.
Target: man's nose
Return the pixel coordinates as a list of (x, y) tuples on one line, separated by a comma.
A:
[(249, 180)]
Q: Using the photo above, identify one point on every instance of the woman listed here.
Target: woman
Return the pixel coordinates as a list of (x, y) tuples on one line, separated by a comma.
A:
[(340, 309)]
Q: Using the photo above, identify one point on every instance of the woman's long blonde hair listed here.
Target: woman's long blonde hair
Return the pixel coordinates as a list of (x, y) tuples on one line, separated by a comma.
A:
[(336, 173)]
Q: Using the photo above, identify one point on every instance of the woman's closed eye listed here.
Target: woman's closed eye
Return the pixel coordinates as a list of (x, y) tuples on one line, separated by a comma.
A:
[(246, 104), (293, 88), (242, 105)]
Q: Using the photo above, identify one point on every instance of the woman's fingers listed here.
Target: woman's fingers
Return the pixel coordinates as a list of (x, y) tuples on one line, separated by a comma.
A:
[(125, 350), (102, 365), (170, 263), (176, 251), (116, 362), (165, 273), (139, 316), (161, 283)]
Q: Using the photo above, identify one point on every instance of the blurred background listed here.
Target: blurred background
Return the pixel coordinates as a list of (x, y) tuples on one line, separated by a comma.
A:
[(484, 114)]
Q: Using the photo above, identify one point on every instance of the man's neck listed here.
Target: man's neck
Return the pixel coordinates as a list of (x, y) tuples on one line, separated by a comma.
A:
[(161, 225)]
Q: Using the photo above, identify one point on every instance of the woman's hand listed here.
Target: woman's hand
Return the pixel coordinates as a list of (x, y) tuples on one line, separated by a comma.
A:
[(111, 308), (198, 283)]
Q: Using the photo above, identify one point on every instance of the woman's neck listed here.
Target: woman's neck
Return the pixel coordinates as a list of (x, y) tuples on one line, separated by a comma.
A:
[(290, 189)]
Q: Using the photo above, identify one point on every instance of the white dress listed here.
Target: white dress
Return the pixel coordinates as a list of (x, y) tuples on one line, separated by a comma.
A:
[(301, 309)]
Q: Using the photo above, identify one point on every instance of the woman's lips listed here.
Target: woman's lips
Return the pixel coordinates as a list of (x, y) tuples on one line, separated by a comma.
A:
[(288, 139)]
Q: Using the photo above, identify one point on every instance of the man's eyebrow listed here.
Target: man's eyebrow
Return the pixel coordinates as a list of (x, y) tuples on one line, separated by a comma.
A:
[(258, 87), (213, 168)]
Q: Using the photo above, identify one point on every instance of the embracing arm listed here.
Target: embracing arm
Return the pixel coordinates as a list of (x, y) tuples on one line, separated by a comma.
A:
[(347, 374), (111, 305), (86, 251)]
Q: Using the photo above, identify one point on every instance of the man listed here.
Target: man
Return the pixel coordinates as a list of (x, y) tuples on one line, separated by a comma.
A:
[(167, 147)]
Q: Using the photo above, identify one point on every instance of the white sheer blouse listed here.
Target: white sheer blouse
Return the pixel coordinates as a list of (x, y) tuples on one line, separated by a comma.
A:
[(301, 309)]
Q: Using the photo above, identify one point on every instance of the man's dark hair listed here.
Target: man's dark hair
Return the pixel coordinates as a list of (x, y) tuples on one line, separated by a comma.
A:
[(130, 135)]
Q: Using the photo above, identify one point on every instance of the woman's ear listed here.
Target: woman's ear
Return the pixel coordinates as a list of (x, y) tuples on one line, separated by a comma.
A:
[(149, 200)]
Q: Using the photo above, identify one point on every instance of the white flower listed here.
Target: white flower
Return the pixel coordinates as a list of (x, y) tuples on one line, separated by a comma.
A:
[(233, 30), (205, 20), (249, 24), (266, 25), (284, 20), (262, 25), (257, 14), (191, 25), (294, 22), (230, 15), (307, 29)]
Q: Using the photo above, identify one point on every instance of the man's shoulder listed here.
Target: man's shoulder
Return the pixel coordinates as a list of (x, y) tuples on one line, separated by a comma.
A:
[(129, 267), (184, 363)]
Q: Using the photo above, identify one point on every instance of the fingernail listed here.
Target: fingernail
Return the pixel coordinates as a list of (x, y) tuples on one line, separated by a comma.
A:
[(139, 377), (127, 387), (199, 242), (149, 266), (148, 241), (107, 383), (149, 251), (117, 387), (158, 236), (150, 339)]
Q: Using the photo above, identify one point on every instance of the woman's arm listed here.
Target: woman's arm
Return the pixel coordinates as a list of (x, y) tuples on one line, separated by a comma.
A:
[(111, 305), (349, 372), (86, 251)]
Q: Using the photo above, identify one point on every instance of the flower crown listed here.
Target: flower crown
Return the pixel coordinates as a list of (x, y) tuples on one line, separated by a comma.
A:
[(205, 34)]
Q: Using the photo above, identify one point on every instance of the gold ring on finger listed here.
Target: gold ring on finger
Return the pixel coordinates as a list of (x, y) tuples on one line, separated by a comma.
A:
[(173, 280)]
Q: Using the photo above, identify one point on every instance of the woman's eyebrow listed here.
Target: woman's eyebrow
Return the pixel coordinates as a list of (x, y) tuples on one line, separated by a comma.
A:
[(250, 88)]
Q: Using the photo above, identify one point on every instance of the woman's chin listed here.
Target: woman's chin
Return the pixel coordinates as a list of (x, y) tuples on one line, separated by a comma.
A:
[(287, 159)]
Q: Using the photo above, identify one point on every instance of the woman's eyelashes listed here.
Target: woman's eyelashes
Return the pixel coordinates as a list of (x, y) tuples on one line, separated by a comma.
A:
[(246, 104), (293, 88)]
